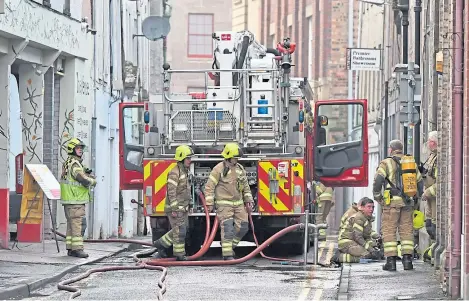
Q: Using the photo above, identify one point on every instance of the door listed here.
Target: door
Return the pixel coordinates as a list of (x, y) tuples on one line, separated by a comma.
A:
[(131, 146), (341, 143)]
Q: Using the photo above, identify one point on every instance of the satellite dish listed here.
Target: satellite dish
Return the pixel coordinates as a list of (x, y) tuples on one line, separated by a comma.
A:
[(155, 27)]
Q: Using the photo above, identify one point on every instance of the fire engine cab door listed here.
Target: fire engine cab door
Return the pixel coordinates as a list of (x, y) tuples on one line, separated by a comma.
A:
[(341, 143), (131, 146)]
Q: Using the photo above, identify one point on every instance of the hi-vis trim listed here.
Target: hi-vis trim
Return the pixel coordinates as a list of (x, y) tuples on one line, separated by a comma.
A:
[(155, 174), (283, 201)]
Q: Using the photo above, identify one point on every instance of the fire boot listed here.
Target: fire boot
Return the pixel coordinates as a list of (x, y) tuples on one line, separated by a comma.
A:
[(161, 250), (407, 262), (228, 258), (390, 264), (181, 258), (78, 253), (335, 258)]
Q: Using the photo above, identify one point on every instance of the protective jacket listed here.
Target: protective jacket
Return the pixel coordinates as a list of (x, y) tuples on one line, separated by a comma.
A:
[(386, 176), (430, 173), (178, 189), (74, 182), (323, 193), (228, 185), (358, 229), (351, 211)]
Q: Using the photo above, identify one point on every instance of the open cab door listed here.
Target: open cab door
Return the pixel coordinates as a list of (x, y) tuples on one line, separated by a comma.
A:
[(341, 143), (131, 146)]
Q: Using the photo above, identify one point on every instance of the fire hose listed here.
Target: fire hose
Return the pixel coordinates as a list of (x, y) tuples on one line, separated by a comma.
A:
[(161, 264)]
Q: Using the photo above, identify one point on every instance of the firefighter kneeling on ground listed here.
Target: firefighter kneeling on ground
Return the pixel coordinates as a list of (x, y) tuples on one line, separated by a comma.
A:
[(228, 189), (357, 240), (75, 183), (177, 205)]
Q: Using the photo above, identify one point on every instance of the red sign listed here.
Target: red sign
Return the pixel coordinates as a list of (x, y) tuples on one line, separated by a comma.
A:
[(226, 37), (19, 173)]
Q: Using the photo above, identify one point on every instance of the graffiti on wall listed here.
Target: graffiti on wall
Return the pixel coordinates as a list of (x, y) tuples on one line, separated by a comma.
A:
[(66, 135), (32, 130), (42, 25)]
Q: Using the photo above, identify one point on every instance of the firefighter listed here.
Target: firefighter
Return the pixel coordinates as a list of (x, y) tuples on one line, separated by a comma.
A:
[(429, 173), (397, 206), (357, 239), (228, 190), (178, 197), (75, 183), (325, 203)]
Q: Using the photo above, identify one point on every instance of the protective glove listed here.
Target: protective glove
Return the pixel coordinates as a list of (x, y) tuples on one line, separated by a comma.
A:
[(209, 208), (431, 228), (248, 206)]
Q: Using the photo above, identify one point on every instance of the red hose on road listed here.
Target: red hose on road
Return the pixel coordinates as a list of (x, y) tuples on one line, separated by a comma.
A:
[(64, 285), (265, 244), (262, 253)]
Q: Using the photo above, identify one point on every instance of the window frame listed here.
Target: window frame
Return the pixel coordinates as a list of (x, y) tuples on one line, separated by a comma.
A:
[(199, 56)]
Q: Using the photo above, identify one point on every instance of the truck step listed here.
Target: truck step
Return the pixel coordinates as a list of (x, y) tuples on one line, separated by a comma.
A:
[(217, 244)]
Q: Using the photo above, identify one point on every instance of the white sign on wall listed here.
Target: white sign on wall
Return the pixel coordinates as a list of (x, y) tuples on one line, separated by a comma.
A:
[(363, 59)]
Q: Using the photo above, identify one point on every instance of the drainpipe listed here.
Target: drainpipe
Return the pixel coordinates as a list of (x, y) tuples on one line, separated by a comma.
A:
[(456, 208), (91, 232), (417, 10), (464, 251)]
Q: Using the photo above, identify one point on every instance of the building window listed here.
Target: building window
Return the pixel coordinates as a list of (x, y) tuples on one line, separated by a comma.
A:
[(200, 42)]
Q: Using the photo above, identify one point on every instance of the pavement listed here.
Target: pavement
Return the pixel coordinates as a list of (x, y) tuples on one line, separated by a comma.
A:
[(369, 282), (31, 266)]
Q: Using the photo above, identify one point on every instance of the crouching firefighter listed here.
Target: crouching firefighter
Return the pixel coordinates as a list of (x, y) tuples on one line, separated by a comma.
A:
[(75, 184), (357, 239), (178, 196), (401, 179), (228, 189)]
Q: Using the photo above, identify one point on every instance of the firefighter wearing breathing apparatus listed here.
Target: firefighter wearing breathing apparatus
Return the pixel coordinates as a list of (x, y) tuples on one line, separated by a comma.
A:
[(178, 196), (357, 239), (75, 183), (402, 182), (429, 172), (324, 203), (228, 190)]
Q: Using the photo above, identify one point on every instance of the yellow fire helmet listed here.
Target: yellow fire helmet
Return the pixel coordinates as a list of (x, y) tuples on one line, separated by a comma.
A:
[(74, 143), (419, 219), (183, 152), (232, 150)]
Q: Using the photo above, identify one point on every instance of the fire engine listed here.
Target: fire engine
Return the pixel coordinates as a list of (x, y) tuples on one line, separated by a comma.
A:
[(249, 97)]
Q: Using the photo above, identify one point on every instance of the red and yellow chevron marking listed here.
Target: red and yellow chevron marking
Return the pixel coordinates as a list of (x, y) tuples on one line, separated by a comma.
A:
[(155, 174), (282, 202)]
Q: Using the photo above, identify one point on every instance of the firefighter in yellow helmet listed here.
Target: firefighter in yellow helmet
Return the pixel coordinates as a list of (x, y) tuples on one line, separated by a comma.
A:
[(75, 183), (397, 206), (429, 173), (178, 196), (357, 240), (228, 190), (324, 205)]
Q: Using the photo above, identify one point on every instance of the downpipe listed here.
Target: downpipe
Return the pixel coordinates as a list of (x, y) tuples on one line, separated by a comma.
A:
[(456, 209)]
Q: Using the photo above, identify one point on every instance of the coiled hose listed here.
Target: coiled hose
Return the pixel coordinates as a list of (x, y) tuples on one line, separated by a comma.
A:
[(161, 264)]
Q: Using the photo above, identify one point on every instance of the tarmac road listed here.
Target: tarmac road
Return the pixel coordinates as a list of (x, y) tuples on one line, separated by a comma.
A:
[(257, 279)]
